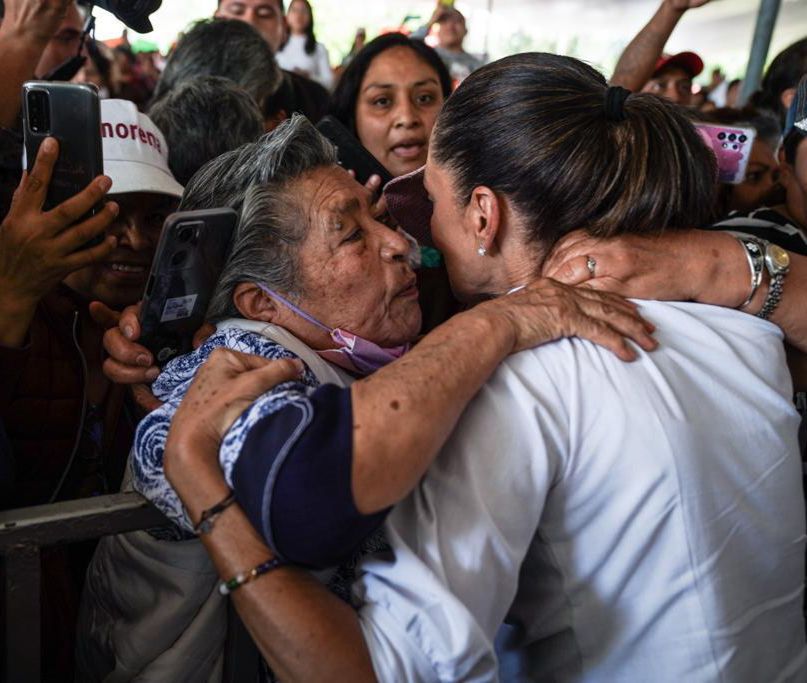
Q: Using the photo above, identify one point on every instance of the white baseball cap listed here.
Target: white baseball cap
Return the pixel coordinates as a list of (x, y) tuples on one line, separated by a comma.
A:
[(135, 151)]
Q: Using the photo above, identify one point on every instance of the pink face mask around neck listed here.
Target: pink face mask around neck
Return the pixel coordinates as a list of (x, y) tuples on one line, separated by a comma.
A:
[(354, 354)]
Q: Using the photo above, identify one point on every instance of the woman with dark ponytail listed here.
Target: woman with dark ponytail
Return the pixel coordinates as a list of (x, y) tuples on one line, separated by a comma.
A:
[(628, 521), (301, 52)]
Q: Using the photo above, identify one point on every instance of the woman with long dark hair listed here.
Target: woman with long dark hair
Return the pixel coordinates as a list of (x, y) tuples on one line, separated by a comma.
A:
[(389, 98), (301, 52)]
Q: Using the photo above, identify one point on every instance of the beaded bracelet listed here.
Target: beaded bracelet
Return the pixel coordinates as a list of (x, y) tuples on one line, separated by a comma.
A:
[(227, 587), (205, 524)]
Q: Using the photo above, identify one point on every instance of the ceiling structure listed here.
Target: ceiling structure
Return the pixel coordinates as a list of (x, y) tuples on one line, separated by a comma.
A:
[(594, 30), (597, 30)]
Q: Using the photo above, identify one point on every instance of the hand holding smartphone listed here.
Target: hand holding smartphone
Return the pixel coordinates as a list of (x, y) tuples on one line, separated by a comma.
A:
[(38, 248), (732, 147), (71, 113), (352, 155)]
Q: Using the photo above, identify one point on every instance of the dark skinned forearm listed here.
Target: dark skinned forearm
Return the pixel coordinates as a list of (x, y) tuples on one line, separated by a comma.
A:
[(635, 66), (19, 55), (303, 631)]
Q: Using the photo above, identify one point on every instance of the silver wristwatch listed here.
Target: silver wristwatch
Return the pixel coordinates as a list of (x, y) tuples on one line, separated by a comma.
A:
[(777, 263)]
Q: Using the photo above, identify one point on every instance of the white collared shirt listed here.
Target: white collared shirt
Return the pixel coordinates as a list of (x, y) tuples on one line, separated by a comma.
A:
[(636, 521)]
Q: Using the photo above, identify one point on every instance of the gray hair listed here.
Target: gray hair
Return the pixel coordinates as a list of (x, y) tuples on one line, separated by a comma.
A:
[(202, 118), (223, 47), (257, 181)]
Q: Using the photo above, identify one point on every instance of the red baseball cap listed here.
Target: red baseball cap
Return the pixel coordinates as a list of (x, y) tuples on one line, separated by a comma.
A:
[(688, 61)]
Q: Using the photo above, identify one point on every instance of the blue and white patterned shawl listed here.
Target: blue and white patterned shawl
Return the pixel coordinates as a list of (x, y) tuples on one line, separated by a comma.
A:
[(147, 455), (147, 462)]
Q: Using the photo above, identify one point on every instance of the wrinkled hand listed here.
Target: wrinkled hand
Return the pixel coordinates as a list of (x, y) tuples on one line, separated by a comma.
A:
[(547, 310), (38, 20), (39, 249), (224, 387), (676, 266)]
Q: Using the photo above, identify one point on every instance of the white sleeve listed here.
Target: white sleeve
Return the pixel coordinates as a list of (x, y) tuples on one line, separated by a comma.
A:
[(459, 539), (324, 72)]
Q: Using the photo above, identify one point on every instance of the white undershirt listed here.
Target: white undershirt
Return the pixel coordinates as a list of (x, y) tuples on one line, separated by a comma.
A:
[(293, 57), (639, 521)]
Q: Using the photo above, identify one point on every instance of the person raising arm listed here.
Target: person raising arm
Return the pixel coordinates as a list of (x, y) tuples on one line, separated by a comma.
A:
[(637, 64)]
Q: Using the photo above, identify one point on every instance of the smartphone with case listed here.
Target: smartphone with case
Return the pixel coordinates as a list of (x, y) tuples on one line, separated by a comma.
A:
[(732, 147), (71, 113), (352, 155), (192, 252)]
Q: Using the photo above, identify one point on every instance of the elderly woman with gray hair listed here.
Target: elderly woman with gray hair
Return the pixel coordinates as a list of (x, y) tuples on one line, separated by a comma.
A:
[(314, 276)]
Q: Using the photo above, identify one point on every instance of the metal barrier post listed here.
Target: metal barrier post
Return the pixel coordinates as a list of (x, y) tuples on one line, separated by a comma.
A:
[(23, 532), (768, 11), (22, 628)]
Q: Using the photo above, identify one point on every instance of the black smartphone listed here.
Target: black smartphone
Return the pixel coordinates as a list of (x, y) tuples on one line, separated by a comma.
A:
[(352, 155), (193, 248), (71, 113)]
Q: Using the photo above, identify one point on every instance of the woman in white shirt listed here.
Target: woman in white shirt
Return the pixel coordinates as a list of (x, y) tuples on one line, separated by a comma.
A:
[(301, 52), (630, 522)]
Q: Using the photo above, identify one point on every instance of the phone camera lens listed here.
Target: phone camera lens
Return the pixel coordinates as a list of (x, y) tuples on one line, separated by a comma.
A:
[(179, 258), (185, 234), (732, 137), (721, 136), (742, 138), (38, 111)]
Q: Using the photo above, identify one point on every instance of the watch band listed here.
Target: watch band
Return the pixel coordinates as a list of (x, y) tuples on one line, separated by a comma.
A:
[(774, 295), (755, 253)]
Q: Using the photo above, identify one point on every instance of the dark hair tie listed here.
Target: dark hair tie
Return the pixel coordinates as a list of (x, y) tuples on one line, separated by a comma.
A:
[(615, 98)]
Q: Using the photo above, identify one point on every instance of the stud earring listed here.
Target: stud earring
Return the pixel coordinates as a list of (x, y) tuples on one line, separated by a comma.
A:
[(482, 251)]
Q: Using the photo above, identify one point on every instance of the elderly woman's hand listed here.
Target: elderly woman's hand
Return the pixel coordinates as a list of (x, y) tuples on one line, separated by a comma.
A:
[(223, 388), (693, 265), (547, 310)]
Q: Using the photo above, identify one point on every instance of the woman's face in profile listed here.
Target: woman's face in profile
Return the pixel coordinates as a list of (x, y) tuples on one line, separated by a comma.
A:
[(398, 103), (453, 232), (353, 269)]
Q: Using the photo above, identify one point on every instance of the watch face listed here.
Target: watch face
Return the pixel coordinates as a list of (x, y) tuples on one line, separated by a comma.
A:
[(780, 259)]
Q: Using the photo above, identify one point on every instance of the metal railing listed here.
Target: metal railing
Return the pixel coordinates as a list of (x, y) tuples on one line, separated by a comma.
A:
[(24, 531)]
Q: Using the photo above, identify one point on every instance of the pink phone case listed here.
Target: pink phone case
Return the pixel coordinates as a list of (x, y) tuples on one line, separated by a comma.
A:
[(732, 147)]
